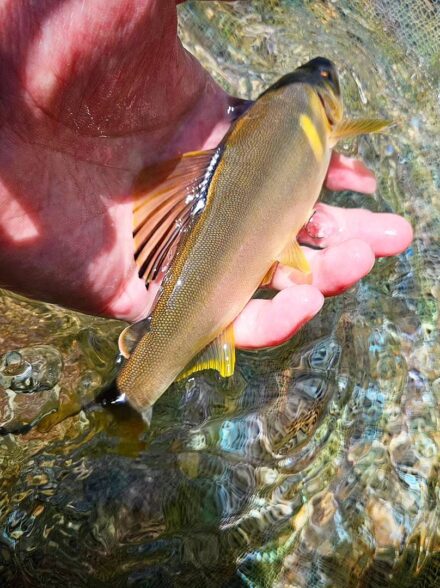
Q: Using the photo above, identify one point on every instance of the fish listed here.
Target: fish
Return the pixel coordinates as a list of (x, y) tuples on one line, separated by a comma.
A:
[(216, 224)]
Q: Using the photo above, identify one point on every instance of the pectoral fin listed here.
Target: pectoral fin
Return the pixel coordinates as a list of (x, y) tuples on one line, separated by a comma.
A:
[(352, 128), (218, 355), (131, 336)]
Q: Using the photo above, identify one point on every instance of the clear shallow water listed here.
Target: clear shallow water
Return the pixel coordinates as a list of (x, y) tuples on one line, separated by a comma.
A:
[(317, 464)]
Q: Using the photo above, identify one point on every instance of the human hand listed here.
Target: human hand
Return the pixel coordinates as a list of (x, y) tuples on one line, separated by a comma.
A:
[(92, 92), (89, 100)]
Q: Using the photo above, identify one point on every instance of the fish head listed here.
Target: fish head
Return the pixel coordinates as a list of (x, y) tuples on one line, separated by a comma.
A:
[(321, 74)]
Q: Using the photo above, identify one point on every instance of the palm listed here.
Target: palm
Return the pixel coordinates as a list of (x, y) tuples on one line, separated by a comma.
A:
[(85, 112), (91, 99)]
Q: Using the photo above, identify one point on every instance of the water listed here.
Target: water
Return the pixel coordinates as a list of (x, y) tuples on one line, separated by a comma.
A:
[(316, 465)]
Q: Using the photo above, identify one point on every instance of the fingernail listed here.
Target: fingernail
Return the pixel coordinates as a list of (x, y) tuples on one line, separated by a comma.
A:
[(320, 226)]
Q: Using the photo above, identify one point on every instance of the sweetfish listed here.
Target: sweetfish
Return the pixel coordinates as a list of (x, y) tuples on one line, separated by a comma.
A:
[(219, 222)]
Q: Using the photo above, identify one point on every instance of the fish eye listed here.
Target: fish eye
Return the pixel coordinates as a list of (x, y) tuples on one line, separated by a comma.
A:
[(326, 74)]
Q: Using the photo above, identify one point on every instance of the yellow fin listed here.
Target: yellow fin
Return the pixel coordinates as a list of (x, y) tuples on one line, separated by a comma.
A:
[(361, 126), (218, 355), (131, 335), (294, 257), (268, 276)]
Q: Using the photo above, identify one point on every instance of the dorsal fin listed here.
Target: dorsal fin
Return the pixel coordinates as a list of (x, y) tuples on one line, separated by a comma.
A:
[(167, 197)]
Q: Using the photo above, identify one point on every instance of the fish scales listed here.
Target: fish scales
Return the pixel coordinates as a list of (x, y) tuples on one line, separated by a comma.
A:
[(260, 195)]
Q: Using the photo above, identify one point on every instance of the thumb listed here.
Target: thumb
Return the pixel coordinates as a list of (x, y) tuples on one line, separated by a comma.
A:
[(132, 302)]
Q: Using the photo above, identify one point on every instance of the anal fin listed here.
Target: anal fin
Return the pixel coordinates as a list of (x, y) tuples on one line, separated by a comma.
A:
[(218, 355)]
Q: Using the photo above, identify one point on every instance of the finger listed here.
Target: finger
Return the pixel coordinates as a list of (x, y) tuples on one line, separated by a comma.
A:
[(334, 269), (346, 173), (386, 233), (132, 303), (265, 323)]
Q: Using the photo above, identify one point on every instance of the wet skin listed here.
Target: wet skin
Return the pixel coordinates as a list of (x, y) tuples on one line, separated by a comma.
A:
[(88, 99)]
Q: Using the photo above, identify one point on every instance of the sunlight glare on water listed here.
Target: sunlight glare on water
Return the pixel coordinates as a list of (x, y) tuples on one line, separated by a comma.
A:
[(316, 465)]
